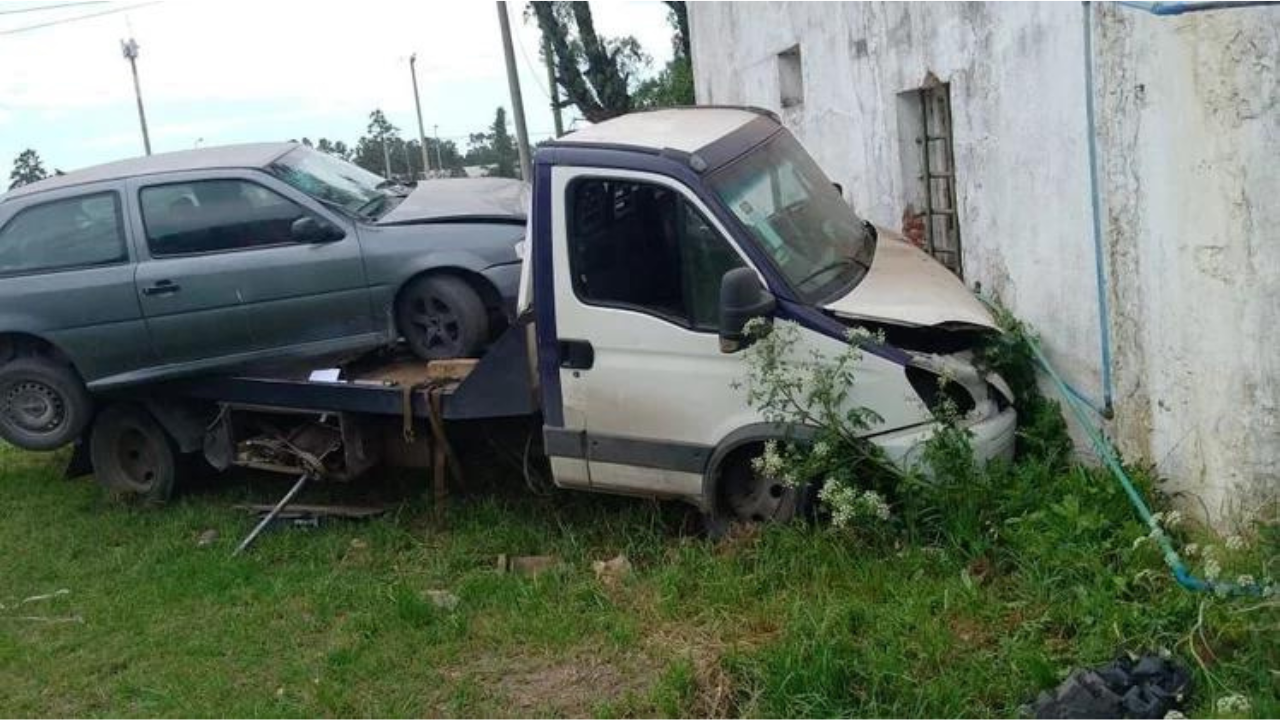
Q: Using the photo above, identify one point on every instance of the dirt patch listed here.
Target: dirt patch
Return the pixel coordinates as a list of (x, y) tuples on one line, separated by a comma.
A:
[(572, 685)]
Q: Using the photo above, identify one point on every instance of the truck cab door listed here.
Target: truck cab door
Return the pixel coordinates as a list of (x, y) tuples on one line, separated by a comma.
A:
[(644, 390)]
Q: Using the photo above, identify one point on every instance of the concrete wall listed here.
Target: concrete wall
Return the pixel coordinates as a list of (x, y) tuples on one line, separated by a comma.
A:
[(1189, 130)]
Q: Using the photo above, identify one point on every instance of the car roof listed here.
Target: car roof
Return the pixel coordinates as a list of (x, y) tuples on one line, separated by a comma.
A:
[(687, 129), (249, 155)]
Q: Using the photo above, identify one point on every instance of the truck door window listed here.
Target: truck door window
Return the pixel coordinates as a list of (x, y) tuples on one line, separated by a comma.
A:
[(641, 246), (75, 232), (215, 216)]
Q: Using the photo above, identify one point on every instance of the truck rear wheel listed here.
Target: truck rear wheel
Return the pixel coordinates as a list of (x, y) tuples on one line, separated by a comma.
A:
[(43, 404), (132, 455)]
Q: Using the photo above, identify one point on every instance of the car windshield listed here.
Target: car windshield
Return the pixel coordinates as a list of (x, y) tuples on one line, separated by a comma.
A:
[(797, 216), (333, 181)]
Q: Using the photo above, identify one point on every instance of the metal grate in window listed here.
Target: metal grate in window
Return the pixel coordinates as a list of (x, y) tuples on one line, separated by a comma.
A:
[(942, 224)]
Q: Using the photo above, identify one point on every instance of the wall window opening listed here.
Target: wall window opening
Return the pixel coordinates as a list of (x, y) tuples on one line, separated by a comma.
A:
[(931, 218), (790, 77)]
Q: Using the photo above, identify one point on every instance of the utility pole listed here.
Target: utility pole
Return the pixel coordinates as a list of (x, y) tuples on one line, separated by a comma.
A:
[(517, 103), (435, 129), (417, 104), (551, 85), (130, 50), (386, 156)]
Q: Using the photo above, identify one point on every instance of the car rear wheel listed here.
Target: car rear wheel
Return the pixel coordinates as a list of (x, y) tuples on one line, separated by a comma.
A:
[(441, 316), (132, 455), (43, 404)]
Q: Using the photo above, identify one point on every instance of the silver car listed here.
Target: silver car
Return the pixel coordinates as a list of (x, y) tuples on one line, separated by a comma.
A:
[(205, 260)]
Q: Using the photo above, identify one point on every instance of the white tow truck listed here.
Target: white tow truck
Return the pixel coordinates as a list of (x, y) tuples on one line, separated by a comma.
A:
[(652, 240)]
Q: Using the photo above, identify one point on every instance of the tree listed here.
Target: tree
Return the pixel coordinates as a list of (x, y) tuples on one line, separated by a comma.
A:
[(27, 168), (495, 149), (592, 70), (599, 74), (673, 86)]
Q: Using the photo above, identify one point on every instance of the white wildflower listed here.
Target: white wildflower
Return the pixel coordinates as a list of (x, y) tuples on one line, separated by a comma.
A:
[(1191, 550), (1174, 715), (1235, 542), (821, 448), (755, 327), (876, 504), (1212, 569), (1173, 519), (1245, 580), (1140, 541), (1233, 704)]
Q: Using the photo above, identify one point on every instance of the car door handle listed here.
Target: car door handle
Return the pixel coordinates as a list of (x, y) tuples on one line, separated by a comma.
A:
[(162, 287), (577, 355)]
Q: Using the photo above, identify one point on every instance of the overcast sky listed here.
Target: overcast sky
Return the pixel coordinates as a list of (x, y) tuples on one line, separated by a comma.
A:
[(225, 71)]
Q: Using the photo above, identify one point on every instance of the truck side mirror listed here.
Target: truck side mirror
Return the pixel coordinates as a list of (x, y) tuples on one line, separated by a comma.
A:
[(742, 299)]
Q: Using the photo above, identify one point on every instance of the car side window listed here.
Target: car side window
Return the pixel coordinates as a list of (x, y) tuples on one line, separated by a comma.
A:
[(206, 216), (73, 232), (643, 246)]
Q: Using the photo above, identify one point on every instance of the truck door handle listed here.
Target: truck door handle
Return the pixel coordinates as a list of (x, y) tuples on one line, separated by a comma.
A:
[(162, 287), (577, 355)]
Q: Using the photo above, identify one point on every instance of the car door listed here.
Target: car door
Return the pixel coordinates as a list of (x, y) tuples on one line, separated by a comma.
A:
[(225, 275), (646, 392)]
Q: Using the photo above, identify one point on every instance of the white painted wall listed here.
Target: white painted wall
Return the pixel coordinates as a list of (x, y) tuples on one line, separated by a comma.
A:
[(1190, 137)]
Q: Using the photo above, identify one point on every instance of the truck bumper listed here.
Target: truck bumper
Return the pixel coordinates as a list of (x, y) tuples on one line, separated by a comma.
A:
[(992, 438)]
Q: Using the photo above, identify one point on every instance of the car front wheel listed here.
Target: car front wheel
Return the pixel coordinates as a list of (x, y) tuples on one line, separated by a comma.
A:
[(441, 316)]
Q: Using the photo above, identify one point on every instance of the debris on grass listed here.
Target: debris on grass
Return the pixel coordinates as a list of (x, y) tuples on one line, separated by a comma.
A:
[(207, 538), (443, 599), (1149, 686), (48, 596), (610, 572), (529, 565)]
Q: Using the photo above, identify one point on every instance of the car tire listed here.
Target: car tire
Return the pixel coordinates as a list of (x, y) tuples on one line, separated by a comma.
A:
[(441, 316), (43, 403), (133, 457)]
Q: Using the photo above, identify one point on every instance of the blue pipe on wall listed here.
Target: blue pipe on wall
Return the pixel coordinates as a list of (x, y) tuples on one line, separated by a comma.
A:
[(1105, 408), (1178, 8), (1100, 272)]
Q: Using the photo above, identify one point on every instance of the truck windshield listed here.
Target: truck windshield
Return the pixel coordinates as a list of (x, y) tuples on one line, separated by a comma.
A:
[(797, 216), (332, 181)]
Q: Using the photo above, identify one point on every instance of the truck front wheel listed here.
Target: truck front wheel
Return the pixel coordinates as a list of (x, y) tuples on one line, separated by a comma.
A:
[(746, 495)]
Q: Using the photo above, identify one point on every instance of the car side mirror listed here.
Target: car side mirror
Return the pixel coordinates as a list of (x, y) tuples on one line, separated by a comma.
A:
[(308, 229), (742, 299)]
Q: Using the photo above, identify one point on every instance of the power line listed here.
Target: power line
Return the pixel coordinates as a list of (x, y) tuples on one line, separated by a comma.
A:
[(39, 8), (64, 21)]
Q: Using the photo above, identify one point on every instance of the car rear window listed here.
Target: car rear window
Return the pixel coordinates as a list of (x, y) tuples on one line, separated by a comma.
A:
[(74, 232)]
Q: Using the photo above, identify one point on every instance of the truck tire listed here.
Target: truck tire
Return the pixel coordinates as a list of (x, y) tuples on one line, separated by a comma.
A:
[(43, 403), (441, 317), (132, 455), (748, 496)]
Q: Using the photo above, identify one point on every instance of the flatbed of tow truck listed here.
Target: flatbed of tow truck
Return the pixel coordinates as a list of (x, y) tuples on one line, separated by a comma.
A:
[(335, 424)]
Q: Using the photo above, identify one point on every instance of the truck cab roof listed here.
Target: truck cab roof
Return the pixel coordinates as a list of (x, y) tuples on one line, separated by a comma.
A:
[(685, 129)]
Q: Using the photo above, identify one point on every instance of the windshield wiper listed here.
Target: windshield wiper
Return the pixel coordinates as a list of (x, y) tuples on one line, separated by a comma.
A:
[(842, 262)]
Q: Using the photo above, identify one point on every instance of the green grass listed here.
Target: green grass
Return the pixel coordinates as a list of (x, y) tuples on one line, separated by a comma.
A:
[(778, 621)]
